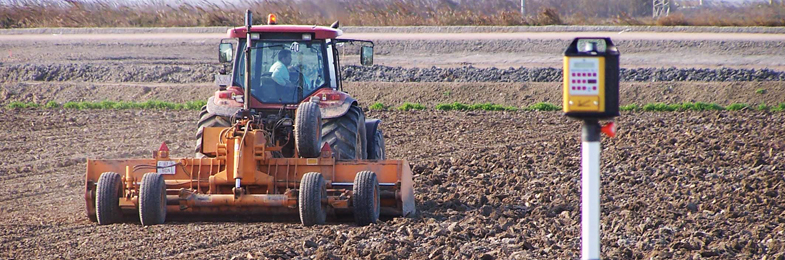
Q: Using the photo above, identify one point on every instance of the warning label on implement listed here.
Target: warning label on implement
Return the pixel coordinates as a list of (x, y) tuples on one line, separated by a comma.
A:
[(166, 167)]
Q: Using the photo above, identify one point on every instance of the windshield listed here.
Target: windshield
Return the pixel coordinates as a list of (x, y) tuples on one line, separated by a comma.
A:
[(283, 71)]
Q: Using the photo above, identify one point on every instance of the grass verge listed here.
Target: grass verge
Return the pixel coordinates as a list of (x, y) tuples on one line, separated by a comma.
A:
[(150, 104)]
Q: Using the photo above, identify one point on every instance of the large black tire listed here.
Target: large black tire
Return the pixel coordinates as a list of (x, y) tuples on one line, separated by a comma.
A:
[(312, 191), (107, 198), (207, 119), (152, 199), (308, 129), (365, 198), (376, 149), (346, 135)]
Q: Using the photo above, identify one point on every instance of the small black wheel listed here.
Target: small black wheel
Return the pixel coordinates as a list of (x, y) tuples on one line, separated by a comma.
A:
[(107, 198), (365, 198), (308, 129), (312, 191), (152, 199)]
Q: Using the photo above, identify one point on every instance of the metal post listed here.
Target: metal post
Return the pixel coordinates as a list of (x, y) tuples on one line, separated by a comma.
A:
[(590, 190), (523, 8)]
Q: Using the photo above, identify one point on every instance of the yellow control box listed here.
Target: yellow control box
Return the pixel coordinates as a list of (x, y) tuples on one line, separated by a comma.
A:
[(591, 79), (584, 84)]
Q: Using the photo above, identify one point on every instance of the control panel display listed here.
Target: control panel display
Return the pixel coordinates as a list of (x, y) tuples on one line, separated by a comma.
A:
[(584, 76)]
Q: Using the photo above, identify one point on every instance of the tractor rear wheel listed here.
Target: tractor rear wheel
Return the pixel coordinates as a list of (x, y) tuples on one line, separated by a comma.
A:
[(376, 150), (152, 199), (207, 119), (107, 198), (365, 198), (312, 192), (346, 135), (308, 129)]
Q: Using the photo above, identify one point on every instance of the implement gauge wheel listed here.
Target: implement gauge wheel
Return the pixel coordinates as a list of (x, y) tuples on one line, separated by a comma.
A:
[(107, 198), (308, 129), (152, 199), (366, 198), (312, 192)]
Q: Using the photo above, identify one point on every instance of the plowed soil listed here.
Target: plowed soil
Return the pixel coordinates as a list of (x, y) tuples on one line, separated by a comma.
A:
[(488, 184)]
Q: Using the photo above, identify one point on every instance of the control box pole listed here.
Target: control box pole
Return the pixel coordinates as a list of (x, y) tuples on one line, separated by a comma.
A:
[(590, 189)]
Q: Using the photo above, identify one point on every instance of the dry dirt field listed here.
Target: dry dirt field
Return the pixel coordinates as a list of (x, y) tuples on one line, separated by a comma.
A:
[(489, 185)]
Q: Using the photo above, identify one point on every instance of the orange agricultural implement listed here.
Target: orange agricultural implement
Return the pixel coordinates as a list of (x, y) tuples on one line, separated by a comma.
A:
[(281, 138)]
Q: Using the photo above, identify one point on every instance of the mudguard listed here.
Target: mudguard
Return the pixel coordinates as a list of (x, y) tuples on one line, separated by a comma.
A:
[(333, 103), (226, 110)]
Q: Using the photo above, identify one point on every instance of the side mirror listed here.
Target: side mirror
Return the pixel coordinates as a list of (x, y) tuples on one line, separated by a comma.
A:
[(225, 52), (366, 55)]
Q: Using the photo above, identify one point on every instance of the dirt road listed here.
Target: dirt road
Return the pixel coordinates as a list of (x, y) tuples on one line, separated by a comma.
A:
[(621, 35), (530, 49)]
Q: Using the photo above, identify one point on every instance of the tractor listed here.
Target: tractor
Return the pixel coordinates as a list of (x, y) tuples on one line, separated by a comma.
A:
[(278, 137)]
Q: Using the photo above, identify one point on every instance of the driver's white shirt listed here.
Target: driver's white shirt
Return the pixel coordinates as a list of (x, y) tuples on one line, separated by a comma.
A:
[(280, 73)]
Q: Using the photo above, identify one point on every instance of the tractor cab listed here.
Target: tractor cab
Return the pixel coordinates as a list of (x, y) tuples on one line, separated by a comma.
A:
[(290, 63)]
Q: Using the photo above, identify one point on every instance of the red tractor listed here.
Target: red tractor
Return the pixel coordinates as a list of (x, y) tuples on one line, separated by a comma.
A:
[(277, 68), (279, 137)]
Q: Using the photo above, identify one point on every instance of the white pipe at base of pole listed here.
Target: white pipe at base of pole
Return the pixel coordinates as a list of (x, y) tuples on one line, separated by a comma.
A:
[(590, 200)]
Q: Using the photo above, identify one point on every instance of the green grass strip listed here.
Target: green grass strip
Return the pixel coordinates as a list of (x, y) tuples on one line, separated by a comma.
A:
[(483, 106), (411, 106), (378, 106), (543, 106), (150, 104), (23, 105)]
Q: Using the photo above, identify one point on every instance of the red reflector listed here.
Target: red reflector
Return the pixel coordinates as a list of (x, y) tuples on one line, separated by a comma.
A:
[(609, 129), (326, 147), (224, 94), (163, 148)]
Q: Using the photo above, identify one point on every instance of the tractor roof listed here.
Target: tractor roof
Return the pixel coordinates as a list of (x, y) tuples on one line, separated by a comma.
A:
[(320, 32)]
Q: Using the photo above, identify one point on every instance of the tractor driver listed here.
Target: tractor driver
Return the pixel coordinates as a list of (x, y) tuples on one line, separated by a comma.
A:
[(279, 69)]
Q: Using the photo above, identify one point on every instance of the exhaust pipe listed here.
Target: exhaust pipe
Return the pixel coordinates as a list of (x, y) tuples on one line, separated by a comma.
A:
[(247, 93)]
